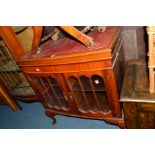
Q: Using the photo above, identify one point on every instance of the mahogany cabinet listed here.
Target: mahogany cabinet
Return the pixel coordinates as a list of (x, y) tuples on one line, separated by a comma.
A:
[(72, 79), (138, 103)]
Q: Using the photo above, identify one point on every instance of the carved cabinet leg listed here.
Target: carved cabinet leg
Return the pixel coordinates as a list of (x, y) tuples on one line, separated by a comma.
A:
[(119, 122), (54, 120), (51, 115)]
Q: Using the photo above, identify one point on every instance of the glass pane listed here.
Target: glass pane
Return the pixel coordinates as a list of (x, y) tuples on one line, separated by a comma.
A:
[(58, 91), (91, 101), (78, 94), (103, 102), (51, 92), (44, 81), (64, 102), (86, 83), (74, 84), (53, 81)]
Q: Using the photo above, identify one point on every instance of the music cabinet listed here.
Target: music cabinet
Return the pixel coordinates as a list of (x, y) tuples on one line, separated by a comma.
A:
[(72, 79)]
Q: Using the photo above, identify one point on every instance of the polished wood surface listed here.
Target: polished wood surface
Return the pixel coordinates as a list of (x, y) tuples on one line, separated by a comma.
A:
[(139, 87), (64, 46), (37, 32), (138, 103)]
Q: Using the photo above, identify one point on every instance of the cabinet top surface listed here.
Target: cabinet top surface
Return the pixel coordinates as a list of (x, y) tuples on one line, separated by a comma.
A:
[(136, 84), (65, 46)]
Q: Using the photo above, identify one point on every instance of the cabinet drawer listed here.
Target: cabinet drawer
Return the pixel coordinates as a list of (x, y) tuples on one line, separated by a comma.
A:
[(37, 69), (88, 66), (147, 107)]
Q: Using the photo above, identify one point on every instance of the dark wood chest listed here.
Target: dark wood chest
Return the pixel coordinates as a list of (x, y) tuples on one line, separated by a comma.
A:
[(138, 103)]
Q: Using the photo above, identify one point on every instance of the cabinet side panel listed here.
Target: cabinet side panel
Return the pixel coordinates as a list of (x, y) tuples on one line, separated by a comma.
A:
[(147, 120), (131, 115)]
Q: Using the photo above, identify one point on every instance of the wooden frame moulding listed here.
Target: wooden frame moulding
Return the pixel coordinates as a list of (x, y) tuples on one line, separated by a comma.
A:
[(151, 55)]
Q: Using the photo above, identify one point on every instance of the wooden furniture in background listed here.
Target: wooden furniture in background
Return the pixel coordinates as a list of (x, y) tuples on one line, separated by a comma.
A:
[(71, 79), (151, 55), (10, 73), (37, 30), (7, 98), (25, 37), (138, 103), (86, 40)]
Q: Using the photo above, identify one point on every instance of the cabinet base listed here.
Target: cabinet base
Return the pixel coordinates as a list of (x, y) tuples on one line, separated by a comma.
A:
[(113, 121)]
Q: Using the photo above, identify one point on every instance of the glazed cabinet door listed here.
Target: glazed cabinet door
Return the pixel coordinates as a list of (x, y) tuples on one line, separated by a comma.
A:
[(89, 93), (52, 91)]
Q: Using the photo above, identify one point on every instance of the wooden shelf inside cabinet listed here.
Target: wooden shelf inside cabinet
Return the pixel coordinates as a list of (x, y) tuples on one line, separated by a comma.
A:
[(72, 79), (87, 84)]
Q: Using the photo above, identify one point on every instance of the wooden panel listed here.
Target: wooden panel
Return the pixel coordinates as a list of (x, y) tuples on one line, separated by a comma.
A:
[(37, 30), (78, 35), (151, 61), (147, 107), (112, 93), (131, 115), (147, 120), (76, 67)]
